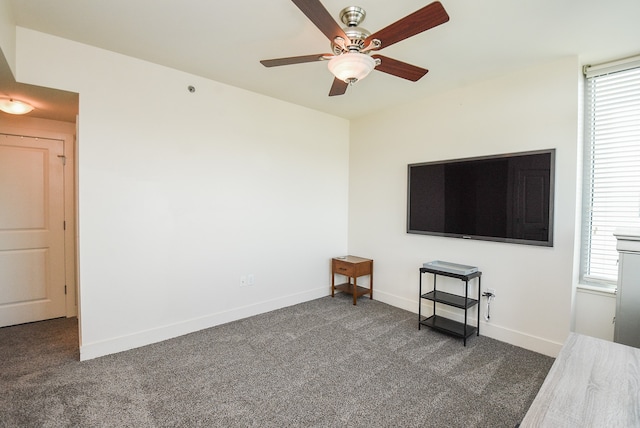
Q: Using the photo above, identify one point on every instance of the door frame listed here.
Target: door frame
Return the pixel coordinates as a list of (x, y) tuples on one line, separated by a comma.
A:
[(65, 131)]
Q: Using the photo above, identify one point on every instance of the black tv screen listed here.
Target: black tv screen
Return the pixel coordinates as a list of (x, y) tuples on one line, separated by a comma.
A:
[(506, 198)]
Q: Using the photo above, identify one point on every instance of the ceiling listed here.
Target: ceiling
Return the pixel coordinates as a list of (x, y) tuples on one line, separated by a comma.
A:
[(224, 41)]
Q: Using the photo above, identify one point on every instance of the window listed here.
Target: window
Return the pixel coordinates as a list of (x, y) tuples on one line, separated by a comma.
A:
[(611, 163)]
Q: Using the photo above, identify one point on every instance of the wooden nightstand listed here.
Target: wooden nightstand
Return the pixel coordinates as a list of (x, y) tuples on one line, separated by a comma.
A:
[(352, 267)]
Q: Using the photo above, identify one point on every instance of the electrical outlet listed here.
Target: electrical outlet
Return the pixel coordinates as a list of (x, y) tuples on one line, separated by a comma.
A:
[(251, 280), (243, 281)]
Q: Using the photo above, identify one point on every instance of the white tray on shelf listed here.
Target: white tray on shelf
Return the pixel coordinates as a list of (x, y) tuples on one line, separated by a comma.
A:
[(449, 267)]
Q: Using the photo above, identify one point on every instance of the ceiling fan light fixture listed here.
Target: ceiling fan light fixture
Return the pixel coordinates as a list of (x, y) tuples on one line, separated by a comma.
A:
[(351, 66), (11, 106)]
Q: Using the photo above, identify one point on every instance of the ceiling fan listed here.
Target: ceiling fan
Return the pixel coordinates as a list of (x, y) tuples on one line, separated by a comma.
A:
[(351, 58)]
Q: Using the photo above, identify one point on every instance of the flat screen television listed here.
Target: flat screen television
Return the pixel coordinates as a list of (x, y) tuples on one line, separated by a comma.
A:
[(505, 198)]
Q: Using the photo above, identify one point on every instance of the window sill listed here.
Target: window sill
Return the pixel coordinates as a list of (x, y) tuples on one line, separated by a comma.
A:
[(606, 290)]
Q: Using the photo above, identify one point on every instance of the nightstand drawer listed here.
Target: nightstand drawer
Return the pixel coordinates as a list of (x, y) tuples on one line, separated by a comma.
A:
[(344, 268)]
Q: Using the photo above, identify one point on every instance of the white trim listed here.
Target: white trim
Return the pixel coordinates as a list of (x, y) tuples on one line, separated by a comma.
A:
[(610, 166), (597, 283), (503, 334), (595, 289), (393, 300), (611, 67), (522, 340), (628, 240), (147, 337)]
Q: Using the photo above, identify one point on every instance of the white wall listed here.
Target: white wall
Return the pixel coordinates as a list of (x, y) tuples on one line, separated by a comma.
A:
[(8, 34), (532, 109), (594, 313), (181, 194)]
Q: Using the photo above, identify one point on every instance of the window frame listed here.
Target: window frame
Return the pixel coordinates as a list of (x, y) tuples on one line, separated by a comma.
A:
[(589, 141)]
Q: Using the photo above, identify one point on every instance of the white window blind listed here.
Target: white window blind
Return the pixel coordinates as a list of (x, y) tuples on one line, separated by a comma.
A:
[(612, 165)]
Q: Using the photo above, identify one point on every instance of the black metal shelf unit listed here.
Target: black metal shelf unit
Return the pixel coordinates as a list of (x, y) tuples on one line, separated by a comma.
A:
[(443, 324)]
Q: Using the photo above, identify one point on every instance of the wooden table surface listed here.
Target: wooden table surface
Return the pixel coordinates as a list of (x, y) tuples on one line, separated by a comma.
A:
[(592, 383)]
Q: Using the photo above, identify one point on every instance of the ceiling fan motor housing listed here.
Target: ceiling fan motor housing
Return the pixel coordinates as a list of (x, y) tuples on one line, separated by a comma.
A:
[(352, 17)]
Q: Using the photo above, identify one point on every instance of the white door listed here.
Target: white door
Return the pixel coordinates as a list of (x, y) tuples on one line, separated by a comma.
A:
[(32, 273)]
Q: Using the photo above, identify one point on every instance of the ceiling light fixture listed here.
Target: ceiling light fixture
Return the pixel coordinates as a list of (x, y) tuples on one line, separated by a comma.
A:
[(11, 106), (351, 66)]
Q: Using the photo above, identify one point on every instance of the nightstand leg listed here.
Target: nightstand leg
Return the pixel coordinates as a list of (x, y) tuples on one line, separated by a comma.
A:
[(333, 284), (355, 292)]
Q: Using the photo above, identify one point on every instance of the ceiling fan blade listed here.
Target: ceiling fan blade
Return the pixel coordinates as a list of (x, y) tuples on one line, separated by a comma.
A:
[(339, 87), (421, 20), (294, 60), (400, 69), (321, 18)]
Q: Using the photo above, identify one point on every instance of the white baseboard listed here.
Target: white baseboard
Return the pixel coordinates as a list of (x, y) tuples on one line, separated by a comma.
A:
[(489, 329), (123, 343)]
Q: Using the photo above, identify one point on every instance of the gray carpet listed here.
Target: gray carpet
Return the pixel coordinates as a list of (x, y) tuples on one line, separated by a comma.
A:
[(323, 363)]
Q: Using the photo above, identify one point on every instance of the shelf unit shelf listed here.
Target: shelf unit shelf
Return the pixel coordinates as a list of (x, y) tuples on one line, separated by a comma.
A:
[(450, 299), (448, 326)]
